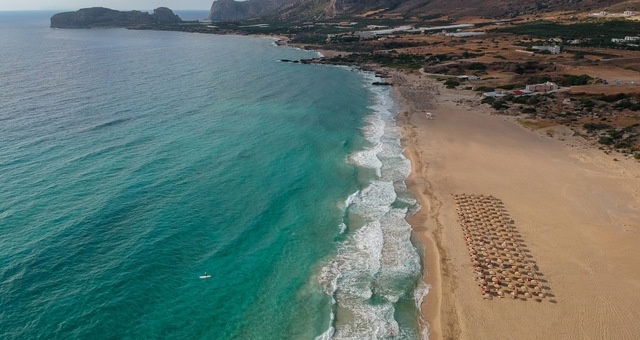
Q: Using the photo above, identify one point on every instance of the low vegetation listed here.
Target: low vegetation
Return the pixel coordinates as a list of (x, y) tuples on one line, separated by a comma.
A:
[(602, 118), (596, 32), (395, 60)]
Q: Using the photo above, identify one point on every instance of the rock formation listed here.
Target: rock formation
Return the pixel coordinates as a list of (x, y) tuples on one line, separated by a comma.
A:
[(105, 17), (231, 10)]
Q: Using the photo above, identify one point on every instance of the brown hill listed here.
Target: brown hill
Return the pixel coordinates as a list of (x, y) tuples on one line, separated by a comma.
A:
[(296, 10)]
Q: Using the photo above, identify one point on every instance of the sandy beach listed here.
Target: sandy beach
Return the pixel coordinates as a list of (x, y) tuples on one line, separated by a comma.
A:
[(575, 214)]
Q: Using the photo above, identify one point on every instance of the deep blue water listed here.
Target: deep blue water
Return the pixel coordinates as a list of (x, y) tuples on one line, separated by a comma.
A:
[(132, 162)]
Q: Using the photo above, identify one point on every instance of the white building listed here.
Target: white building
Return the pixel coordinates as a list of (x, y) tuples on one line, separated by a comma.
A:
[(464, 34), (599, 14), (555, 49), (626, 40), (545, 87)]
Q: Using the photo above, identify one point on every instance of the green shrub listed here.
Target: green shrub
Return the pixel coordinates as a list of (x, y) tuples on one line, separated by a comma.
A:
[(468, 55), (477, 66), (613, 97), (613, 133), (627, 104), (484, 89), (487, 100), (571, 80), (499, 104), (511, 86), (587, 102), (595, 126), (451, 83), (625, 143), (520, 100), (605, 140)]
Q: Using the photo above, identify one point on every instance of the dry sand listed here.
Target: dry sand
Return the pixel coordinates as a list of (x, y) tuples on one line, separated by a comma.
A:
[(577, 211)]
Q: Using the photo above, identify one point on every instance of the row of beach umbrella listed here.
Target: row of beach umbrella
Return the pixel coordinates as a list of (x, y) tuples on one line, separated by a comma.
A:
[(502, 265)]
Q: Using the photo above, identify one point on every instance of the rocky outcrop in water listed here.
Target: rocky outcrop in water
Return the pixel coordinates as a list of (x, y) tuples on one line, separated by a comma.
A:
[(105, 17)]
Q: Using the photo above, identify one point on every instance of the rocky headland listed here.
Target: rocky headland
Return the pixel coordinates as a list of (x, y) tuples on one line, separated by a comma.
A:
[(105, 17)]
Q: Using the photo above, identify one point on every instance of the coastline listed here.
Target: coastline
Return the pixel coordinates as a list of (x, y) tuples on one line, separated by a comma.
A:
[(412, 98), (575, 206), (460, 150)]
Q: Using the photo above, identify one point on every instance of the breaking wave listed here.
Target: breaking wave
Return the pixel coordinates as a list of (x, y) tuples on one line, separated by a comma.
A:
[(376, 268)]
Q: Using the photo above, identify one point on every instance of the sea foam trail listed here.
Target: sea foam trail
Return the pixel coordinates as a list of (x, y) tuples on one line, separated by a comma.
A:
[(376, 265)]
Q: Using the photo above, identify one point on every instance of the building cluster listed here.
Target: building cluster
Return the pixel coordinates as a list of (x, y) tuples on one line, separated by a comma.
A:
[(604, 14), (628, 40), (382, 32), (527, 91)]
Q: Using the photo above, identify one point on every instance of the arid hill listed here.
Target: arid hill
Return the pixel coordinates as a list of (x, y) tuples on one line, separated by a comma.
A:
[(297, 10)]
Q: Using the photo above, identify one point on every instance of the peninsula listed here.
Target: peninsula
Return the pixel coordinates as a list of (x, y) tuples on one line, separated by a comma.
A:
[(105, 17)]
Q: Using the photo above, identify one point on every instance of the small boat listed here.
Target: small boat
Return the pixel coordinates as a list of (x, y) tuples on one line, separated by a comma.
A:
[(205, 276)]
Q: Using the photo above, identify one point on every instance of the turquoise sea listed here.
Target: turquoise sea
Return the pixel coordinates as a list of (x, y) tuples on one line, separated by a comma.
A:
[(131, 162)]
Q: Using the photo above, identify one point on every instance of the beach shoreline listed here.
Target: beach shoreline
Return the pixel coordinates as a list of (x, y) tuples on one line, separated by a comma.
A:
[(574, 205), (425, 227)]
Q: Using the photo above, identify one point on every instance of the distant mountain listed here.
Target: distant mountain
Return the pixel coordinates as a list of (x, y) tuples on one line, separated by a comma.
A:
[(290, 10), (105, 17), (230, 10)]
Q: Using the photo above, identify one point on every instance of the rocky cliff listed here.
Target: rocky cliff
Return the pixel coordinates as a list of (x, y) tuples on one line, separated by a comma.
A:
[(105, 17), (231, 10)]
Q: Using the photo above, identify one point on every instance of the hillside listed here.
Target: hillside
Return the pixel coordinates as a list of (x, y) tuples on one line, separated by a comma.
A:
[(298, 10)]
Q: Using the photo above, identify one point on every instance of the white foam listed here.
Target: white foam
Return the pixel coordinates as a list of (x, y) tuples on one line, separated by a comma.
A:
[(374, 201), (343, 228), (377, 258), (418, 296), (374, 130), (328, 334), (5, 214), (367, 159), (350, 199), (420, 292)]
